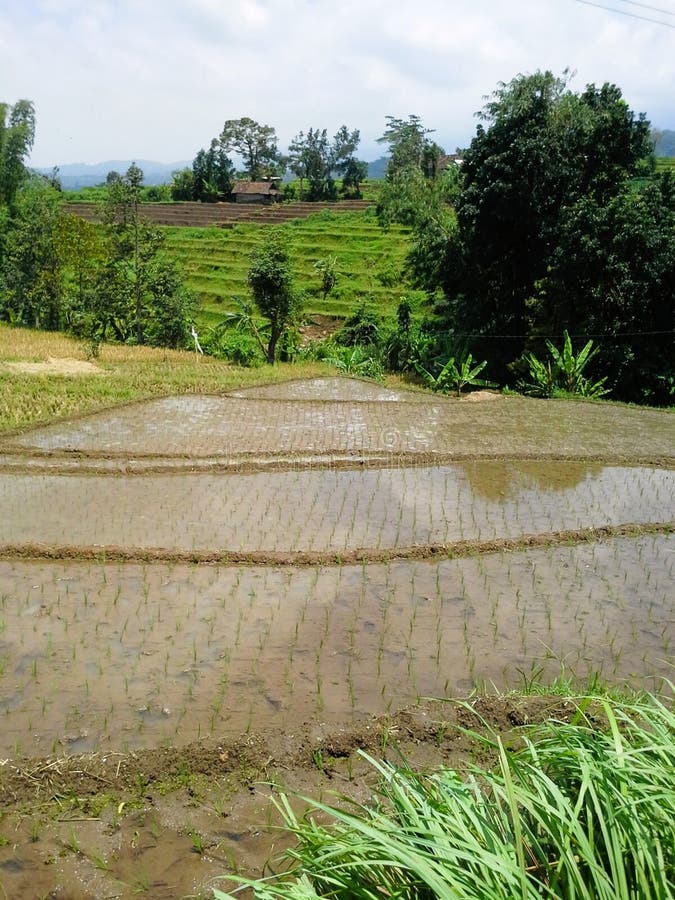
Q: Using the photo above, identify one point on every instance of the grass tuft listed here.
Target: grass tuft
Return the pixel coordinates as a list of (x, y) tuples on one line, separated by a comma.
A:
[(578, 812)]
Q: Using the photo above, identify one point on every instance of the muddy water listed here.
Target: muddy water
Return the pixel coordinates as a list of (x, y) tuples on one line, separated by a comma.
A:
[(128, 656), (202, 426), (330, 510)]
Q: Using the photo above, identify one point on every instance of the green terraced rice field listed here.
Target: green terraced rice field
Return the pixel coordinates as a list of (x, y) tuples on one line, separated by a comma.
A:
[(215, 262)]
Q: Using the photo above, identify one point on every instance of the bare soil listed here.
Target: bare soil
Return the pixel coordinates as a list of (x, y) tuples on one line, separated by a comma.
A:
[(223, 215), (54, 366)]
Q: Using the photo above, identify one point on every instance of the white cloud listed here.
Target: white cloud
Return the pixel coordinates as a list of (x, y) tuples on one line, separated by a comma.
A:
[(133, 78)]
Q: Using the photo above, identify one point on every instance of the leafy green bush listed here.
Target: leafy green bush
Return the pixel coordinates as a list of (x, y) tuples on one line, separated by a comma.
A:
[(360, 361), (579, 811), (362, 327), (239, 347)]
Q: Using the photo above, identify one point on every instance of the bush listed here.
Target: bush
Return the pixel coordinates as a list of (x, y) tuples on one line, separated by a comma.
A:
[(238, 347), (363, 327)]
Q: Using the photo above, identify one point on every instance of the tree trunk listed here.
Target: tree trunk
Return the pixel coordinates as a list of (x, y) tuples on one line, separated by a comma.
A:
[(272, 346)]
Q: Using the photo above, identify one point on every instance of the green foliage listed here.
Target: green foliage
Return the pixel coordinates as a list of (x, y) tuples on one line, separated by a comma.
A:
[(31, 276), (560, 225), (255, 143), (171, 307), (354, 173), (212, 176), (183, 184), (314, 158), (327, 268), (156, 193), (363, 327), (577, 810), (270, 279), (563, 373), (455, 375), (17, 133), (357, 361)]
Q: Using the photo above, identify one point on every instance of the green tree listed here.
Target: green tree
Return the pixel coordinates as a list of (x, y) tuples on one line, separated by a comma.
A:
[(415, 191), (315, 158), (212, 174), (80, 250), (31, 278), (408, 143), (183, 184), (311, 159), (17, 132), (137, 292), (255, 143), (328, 270), (354, 173), (549, 210), (271, 282)]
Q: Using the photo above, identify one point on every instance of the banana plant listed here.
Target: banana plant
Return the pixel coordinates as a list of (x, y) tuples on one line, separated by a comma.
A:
[(564, 372), (455, 375)]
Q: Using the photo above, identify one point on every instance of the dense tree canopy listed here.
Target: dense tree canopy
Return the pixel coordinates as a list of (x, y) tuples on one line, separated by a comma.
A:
[(316, 159), (555, 230), (255, 143)]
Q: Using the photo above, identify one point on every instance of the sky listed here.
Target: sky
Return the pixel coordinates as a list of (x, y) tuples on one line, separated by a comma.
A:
[(144, 79)]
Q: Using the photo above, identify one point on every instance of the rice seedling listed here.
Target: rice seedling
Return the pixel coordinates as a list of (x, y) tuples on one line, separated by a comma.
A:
[(577, 812)]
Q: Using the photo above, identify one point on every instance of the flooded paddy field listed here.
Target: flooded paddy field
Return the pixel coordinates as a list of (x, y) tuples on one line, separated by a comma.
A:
[(330, 510), (126, 656), (194, 426), (201, 595)]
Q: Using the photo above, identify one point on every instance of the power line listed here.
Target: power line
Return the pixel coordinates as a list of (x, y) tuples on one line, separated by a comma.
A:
[(623, 12), (581, 335), (665, 12)]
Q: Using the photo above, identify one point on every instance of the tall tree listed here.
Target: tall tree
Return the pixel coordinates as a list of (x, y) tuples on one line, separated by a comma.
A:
[(414, 191), (407, 141), (315, 158), (549, 198), (311, 158), (138, 293), (271, 281), (31, 277), (255, 143), (17, 133), (212, 174)]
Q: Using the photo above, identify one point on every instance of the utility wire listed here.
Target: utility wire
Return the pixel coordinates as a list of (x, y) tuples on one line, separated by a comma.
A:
[(665, 12), (623, 12), (603, 336)]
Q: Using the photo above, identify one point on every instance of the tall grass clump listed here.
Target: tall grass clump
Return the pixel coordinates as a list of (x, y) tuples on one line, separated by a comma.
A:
[(579, 810)]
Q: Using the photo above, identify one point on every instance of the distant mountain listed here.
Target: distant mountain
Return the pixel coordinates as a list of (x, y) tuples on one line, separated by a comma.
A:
[(664, 142), (378, 167), (78, 175)]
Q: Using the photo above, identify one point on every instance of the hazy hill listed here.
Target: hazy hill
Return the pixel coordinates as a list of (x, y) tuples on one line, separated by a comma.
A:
[(77, 175), (664, 142)]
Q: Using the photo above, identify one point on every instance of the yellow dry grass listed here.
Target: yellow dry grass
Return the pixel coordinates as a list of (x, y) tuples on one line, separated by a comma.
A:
[(131, 373)]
